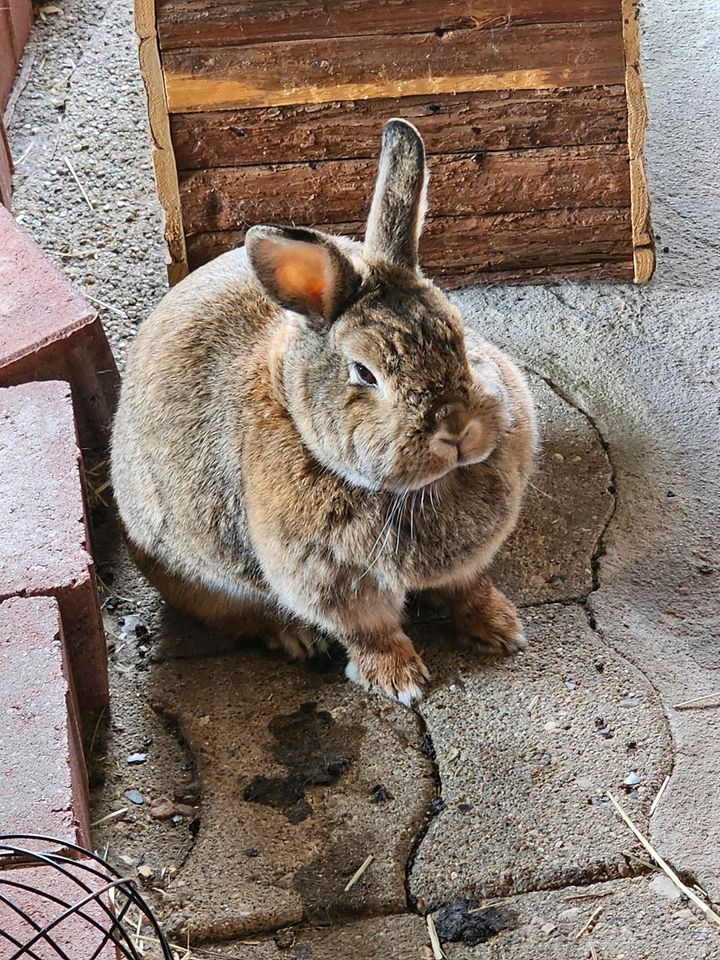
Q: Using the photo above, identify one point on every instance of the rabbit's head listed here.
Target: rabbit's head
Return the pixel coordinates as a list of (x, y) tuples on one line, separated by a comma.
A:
[(375, 374)]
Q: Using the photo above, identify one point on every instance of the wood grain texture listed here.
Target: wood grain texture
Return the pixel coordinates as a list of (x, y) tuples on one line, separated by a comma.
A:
[(166, 178), (188, 23), (492, 247), (532, 112), (336, 191), (465, 123), (643, 242), (534, 56), (6, 167)]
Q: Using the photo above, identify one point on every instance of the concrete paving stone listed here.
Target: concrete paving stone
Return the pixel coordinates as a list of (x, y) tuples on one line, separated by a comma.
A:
[(568, 503), (43, 780), (526, 750), (43, 533), (628, 920), (49, 332), (624, 919), (398, 937), (78, 936), (302, 778)]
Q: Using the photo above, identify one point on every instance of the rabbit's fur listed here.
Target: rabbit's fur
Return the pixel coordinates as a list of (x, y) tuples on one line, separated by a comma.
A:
[(267, 486)]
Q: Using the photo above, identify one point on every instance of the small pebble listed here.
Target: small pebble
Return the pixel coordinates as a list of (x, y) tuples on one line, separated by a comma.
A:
[(134, 796), (162, 809), (548, 928), (185, 810), (380, 794), (572, 913), (188, 792), (132, 623), (630, 702), (136, 758), (666, 888), (632, 779), (145, 871), (570, 685)]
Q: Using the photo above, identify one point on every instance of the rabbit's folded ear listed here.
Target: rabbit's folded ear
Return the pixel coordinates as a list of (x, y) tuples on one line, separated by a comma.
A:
[(398, 206), (302, 270)]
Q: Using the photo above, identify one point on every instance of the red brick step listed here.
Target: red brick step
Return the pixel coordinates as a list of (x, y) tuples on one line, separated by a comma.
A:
[(43, 780), (49, 332), (77, 936), (43, 533)]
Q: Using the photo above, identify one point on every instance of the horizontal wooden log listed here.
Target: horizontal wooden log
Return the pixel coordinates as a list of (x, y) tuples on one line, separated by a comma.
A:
[(537, 245), (334, 191), (467, 122), (187, 23), (531, 57)]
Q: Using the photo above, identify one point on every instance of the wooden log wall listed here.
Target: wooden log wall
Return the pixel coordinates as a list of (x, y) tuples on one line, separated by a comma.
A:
[(532, 113)]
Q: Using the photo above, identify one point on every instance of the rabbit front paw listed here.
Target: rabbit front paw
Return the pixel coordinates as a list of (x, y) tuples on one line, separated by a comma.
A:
[(396, 671)]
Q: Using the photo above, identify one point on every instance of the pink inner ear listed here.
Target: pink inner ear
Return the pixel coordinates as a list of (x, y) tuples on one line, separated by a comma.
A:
[(301, 274)]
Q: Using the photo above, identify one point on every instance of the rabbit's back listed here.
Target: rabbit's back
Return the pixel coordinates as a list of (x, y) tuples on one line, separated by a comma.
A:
[(175, 442)]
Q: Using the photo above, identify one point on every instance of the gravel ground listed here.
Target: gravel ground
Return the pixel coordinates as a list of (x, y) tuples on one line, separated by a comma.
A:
[(83, 107)]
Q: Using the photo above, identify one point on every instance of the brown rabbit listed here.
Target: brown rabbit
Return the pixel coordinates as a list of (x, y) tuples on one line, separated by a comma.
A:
[(306, 434)]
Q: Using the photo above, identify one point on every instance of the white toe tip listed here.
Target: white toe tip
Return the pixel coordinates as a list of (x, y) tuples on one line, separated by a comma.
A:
[(409, 695), (353, 673)]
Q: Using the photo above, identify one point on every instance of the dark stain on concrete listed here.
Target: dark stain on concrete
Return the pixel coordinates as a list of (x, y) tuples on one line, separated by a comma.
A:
[(461, 922), (315, 750)]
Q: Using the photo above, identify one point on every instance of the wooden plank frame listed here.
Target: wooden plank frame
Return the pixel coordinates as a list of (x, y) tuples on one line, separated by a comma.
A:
[(163, 156), (206, 172)]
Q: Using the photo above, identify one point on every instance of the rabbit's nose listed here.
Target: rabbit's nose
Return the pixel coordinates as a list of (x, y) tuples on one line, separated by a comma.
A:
[(455, 434)]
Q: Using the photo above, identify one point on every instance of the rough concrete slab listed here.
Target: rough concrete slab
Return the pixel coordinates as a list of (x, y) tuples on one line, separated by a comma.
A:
[(569, 501), (302, 777), (624, 919), (526, 751), (634, 918), (401, 937)]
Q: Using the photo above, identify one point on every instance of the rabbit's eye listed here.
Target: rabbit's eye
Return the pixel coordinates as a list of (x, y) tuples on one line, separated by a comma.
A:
[(361, 376)]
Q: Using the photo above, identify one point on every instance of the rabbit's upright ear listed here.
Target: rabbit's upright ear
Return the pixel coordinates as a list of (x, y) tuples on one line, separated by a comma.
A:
[(302, 270), (398, 206)]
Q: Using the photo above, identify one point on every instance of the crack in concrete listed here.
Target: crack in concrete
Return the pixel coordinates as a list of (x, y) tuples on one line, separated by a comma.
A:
[(433, 809), (599, 550), (174, 730)]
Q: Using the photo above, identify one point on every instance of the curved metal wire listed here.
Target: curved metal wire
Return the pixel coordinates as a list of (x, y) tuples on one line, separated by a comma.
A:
[(102, 899)]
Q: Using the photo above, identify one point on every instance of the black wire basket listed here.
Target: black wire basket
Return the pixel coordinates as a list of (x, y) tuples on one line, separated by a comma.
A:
[(71, 905)]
